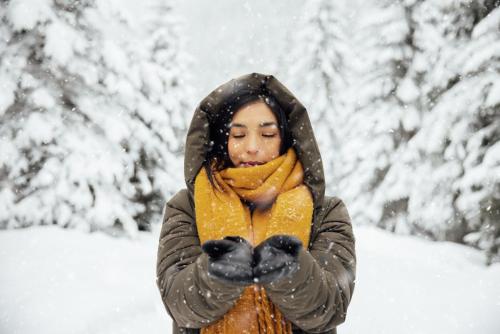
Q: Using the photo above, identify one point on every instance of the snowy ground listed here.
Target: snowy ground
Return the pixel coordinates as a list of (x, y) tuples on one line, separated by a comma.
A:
[(60, 281)]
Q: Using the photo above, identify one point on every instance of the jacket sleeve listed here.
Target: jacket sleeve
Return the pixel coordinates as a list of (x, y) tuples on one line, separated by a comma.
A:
[(191, 297), (317, 296)]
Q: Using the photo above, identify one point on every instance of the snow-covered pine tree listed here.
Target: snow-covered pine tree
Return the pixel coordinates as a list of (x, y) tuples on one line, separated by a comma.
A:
[(451, 169), (167, 98), (383, 113), (315, 64), (88, 116)]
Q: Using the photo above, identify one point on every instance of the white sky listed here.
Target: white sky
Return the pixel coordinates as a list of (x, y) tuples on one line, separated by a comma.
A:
[(228, 38)]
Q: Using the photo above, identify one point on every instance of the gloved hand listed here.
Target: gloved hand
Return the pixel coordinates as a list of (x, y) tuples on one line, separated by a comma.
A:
[(276, 257), (230, 260)]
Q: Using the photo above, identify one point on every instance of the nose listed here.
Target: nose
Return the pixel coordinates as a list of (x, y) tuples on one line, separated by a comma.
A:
[(252, 145)]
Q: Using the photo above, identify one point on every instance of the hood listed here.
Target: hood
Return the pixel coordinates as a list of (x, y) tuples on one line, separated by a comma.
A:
[(197, 140)]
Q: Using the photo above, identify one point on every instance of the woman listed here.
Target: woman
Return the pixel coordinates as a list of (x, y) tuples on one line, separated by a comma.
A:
[(253, 245)]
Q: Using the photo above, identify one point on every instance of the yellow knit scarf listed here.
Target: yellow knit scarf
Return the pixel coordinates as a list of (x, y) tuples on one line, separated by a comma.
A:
[(284, 206)]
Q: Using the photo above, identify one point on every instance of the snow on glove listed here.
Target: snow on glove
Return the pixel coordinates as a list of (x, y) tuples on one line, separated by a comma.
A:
[(230, 259), (276, 257)]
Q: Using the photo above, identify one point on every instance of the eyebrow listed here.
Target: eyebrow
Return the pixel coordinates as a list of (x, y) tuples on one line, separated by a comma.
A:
[(239, 125)]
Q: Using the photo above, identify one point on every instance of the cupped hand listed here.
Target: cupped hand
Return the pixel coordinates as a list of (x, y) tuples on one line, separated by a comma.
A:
[(276, 257), (230, 260)]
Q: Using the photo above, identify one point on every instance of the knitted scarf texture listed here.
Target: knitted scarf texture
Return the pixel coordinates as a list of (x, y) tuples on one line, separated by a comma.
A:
[(283, 205)]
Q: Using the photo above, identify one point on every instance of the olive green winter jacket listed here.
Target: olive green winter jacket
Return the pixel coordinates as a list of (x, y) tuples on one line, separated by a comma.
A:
[(316, 298)]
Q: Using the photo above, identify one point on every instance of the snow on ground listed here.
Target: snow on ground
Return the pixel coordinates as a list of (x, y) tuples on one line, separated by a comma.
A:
[(64, 281)]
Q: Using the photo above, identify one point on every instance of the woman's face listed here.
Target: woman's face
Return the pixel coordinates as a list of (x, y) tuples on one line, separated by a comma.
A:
[(254, 136)]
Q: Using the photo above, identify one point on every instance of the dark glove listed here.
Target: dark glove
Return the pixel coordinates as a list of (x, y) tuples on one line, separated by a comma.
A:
[(230, 260), (276, 257)]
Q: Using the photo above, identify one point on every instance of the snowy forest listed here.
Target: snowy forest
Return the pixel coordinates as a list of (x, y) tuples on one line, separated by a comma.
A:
[(96, 98)]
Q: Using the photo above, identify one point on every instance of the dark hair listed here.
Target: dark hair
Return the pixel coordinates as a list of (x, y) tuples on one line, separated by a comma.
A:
[(217, 152)]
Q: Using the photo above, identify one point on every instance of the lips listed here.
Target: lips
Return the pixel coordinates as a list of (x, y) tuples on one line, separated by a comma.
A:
[(250, 163)]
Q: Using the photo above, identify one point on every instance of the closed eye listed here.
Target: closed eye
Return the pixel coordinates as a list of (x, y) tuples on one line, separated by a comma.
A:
[(268, 136)]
